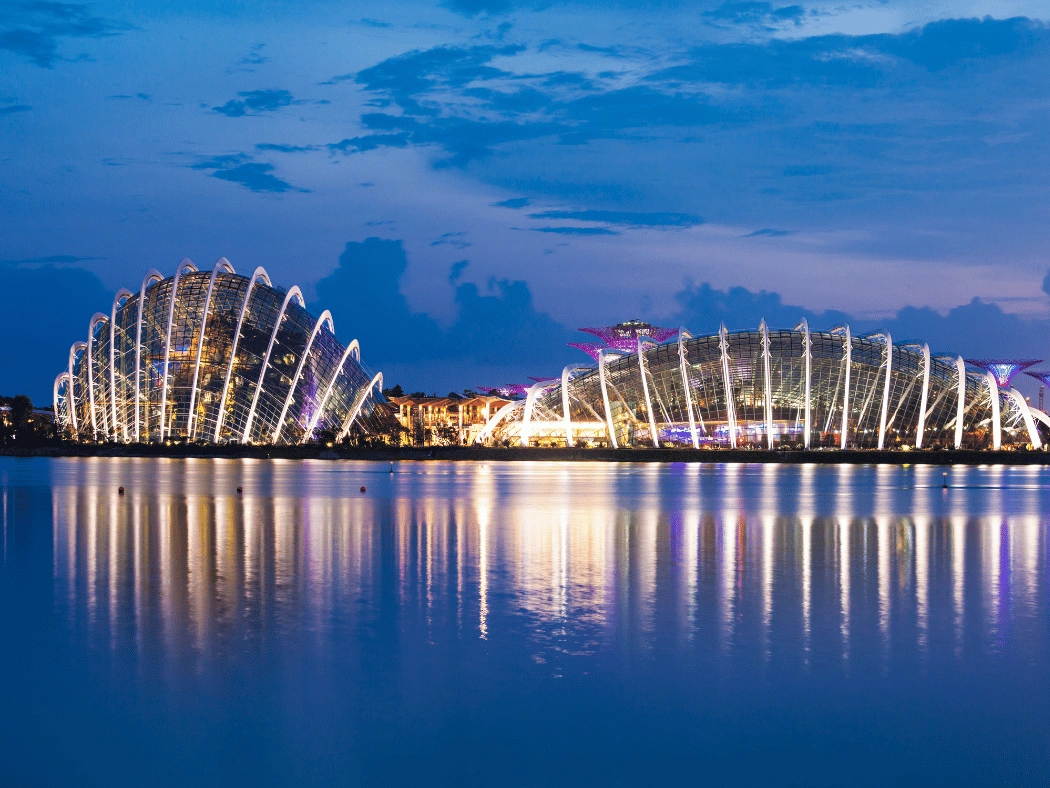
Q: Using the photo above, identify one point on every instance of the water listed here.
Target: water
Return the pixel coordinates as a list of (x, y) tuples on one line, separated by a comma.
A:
[(522, 624)]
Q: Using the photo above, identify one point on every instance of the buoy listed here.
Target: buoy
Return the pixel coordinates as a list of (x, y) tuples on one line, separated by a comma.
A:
[(391, 467), (362, 488), (945, 484), (240, 490), (120, 491)]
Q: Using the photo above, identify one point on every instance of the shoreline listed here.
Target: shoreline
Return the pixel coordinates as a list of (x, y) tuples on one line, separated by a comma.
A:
[(520, 454)]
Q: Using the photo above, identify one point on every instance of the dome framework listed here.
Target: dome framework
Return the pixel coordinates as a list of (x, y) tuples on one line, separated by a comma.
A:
[(772, 389), (215, 357)]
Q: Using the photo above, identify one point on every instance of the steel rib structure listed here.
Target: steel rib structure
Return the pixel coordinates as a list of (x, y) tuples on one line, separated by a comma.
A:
[(773, 389), (214, 356)]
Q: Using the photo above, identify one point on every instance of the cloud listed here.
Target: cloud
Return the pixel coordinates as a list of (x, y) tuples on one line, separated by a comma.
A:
[(489, 321), (29, 357), (768, 232), (34, 30), (279, 148), (11, 109), (374, 23), (628, 218), (455, 240), (575, 230), (50, 260), (255, 102), (755, 14), (972, 330), (515, 202), (239, 168)]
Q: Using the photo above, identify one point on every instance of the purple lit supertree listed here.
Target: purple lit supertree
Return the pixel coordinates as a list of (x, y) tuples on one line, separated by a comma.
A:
[(507, 391), (1042, 375), (1003, 370), (623, 337)]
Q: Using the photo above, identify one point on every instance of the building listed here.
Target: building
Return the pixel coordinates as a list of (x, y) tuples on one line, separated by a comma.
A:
[(445, 420), (771, 389), (215, 357)]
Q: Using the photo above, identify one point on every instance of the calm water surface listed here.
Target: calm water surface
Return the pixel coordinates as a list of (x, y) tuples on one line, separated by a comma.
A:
[(522, 624)]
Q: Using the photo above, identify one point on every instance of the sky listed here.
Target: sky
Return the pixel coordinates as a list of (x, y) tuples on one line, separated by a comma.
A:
[(466, 183)]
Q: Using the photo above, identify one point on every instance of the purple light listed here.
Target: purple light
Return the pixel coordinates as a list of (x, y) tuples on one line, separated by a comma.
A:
[(1003, 370), (507, 391), (623, 337), (1042, 375)]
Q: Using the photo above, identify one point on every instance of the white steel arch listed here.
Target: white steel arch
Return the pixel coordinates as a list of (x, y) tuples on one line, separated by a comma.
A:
[(72, 387), (645, 390), (326, 317), (960, 410), (925, 395), (997, 426), (295, 293), (723, 341), (530, 401), (683, 334), (764, 329), (125, 294), (366, 391), (353, 349), (258, 275), (62, 376), (605, 397), (500, 414), (185, 264), (1026, 413), (152, 276), (97, 318), (222, 264), (848, 348), (886, 390), (807, 343), (1038, 415), (566, 375)]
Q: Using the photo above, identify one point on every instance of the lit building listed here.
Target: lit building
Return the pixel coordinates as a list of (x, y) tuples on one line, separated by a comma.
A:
[(216, 357), (768, 389), (445, 420)]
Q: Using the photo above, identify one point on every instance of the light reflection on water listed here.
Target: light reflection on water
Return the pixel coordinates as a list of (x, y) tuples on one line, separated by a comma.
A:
[(548, 623), (580, 556)]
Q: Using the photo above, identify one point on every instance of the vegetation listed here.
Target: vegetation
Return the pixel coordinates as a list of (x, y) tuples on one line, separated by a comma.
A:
[(23, 425)]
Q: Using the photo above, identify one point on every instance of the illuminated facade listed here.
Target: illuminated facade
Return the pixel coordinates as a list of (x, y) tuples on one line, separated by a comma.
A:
[(445, 420), (216, 357), (770, 389)]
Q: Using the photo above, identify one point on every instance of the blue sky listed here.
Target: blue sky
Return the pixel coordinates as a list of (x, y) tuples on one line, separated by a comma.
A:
[(465, 183)]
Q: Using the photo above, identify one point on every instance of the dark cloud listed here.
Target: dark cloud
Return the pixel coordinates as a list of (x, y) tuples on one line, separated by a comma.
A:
[(1046, 283), (972, 330), (30, 358), (575, 230), (50, 260), (489, 320), (370, 142), (515, 202), (480, 7), (628, 218), (128, 96), (374, 23), (11, 109), (756, 14), (35, 30), (455, 240), (279, 148), (768, 232), (254, 102), (239, 168)]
